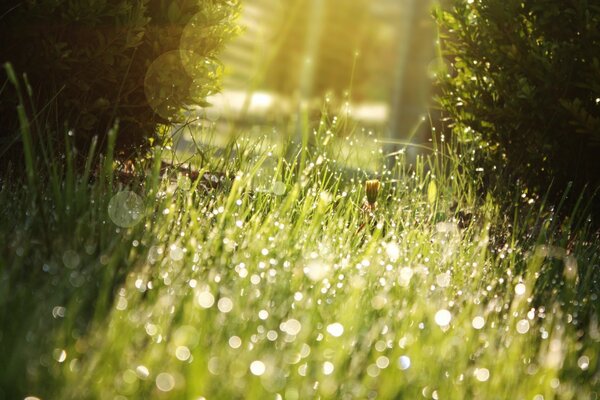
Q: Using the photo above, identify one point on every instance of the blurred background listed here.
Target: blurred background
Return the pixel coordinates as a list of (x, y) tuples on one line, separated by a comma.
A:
[(372, 60)]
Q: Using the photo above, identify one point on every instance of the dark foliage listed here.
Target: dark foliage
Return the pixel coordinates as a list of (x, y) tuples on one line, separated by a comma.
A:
[(525, 81), (89, 62)]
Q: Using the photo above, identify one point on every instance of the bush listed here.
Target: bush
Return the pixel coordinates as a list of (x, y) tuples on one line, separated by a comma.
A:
[(91, 61), (525, 80)]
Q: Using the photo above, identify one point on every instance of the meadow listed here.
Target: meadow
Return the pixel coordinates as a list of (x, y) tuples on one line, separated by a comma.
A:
[(270, 275)]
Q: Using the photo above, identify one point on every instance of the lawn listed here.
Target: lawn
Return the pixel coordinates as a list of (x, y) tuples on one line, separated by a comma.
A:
[(273, 277)]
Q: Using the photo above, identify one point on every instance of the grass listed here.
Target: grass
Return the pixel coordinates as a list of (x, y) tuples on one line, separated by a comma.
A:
[(267, 287)]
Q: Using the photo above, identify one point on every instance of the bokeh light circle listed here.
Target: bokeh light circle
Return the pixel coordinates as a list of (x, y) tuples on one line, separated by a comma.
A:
[(168, 85), (126, 209)]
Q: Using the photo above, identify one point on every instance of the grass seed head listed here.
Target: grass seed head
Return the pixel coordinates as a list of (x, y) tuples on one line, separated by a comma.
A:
[(372, 189)]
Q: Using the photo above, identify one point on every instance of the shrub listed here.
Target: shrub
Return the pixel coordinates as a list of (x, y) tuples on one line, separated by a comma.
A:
[(91, 61), (525, 81)]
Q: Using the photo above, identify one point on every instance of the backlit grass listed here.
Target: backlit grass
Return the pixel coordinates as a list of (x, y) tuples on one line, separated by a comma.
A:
[(279, 283)]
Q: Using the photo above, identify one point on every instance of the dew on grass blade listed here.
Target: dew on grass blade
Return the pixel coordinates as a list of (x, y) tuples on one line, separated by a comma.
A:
[(393, 251), (60, 355), (225, 304), (235, 342), (291, 327), (443, 279), (175, 252), (328, 368), (316, 270), (443, 317), (482, 374), (382, 362), (125, 209), (405, 276), (336, 329), (182, 353), (165, 382), (205, 299), (404, 362), (258, 368), (478, 322), (142, 371), (523, 326), (583, 362), (279, 188), (59, 312)]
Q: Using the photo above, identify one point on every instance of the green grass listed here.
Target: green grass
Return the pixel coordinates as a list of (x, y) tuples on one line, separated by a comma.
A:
[(240, 292)]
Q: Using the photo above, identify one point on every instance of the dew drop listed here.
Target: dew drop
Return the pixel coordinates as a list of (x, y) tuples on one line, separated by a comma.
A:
[(404, 362), (205, 299), (165, 382), (583, 362), (443, 317), (291, 327), (336, 329), (257, 368), (142, 372), (235, 342), (328, 368), (523, 326), (225, 304), (279, 188), (482, 374), (478, 322), (182, 353)]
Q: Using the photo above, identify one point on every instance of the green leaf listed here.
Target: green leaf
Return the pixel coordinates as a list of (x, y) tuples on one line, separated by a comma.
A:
[(432, 192)]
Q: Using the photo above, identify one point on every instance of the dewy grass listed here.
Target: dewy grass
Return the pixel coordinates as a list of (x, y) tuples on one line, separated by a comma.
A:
[(264, 286)]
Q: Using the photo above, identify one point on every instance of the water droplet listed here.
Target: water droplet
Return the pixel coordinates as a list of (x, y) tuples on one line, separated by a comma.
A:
[(142, 372), (378, 302), (279, 188), (328, 368), (406, 274), (393, 251), (382, 362), (316, 271), (235, 342), (443, 317), (263, 314), (291, 327), (404, 362), (478, 322), (523, 326), (205, 299), (182, 353), (583, 362), (165, 382), (60, 355), (58, 312), (482, 374), (225, 304), (257, 368), (520, 289), (175, 252), (125, 209), (443, 279), (336, 329)]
